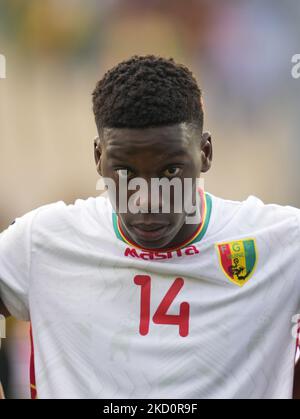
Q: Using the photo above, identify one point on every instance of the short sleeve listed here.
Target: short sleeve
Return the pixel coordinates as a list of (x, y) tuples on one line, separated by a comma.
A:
[(15, 259), (296, 246)]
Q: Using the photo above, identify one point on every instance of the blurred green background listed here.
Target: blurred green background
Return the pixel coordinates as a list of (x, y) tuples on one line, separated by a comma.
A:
[(56, 50)]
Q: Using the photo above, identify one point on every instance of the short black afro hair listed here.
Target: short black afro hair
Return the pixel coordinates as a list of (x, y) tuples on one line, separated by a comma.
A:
[(147, 91)]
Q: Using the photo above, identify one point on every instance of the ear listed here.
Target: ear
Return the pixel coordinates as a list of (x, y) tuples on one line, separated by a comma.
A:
[(97, 154), (206, 151)]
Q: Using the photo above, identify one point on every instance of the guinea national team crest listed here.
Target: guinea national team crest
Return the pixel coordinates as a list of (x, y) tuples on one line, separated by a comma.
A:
[(238, 260)]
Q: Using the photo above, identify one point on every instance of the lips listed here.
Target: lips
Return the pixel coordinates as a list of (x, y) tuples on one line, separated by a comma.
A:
[(149, 226), (150, 231)]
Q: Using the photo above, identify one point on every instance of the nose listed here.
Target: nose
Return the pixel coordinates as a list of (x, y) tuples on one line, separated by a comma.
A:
[(147, 199)]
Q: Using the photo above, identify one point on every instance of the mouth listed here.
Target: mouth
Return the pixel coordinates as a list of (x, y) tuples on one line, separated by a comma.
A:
[(149, 232)]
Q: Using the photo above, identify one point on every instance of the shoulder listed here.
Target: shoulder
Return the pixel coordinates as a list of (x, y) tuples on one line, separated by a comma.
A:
[(83, 214), (59, 218), (259, 213), (255, 214)]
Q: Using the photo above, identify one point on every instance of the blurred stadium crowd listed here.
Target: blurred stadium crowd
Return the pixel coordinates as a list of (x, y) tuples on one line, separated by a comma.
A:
[(56, 50)]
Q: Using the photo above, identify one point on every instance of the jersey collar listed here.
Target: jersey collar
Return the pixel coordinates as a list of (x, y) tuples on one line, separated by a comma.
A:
[(206, 207)]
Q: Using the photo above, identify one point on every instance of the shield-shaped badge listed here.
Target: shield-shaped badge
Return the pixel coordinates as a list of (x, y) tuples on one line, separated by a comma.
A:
[(238, 260)]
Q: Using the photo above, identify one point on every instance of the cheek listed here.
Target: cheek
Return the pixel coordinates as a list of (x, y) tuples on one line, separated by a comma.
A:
[(105, 167), (194, 167), (112, 187), (176, 223), (119, 196)]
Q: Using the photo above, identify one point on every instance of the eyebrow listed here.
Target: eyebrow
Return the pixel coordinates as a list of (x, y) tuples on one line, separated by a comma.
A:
[(113, 154)]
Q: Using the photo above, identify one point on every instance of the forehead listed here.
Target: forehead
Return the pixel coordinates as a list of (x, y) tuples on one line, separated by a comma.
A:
[(165, 140)]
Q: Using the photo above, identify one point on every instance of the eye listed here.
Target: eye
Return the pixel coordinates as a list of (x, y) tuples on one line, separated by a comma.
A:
[(123, 173), (172, 171)]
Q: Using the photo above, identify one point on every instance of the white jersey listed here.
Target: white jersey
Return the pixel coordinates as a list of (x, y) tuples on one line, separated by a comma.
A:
[(211, 319)]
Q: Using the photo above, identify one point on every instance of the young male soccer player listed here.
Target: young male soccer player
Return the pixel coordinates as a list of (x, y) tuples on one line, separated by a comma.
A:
[(148, 305)]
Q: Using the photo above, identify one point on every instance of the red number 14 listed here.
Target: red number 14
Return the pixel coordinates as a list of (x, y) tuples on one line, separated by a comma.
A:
[(161, 316)]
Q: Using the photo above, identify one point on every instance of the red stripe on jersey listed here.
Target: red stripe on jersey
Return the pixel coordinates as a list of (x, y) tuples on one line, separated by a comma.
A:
[(33, 390)]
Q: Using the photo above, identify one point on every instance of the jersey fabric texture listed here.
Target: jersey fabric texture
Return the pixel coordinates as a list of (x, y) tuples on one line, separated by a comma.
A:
[(210, 319)]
